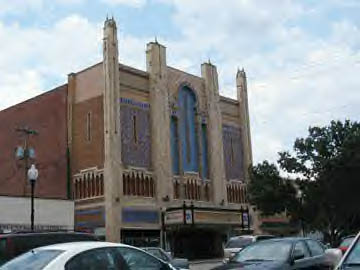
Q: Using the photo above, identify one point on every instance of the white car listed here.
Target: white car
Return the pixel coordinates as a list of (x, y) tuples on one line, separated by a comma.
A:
[(237, 243), (87, 256)]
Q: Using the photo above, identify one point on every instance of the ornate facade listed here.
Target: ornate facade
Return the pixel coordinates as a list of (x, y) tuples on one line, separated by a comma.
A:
[(155, 151)]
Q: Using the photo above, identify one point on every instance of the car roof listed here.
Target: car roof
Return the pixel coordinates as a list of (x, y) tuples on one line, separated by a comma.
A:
[(242, 236), (348, 236), (36, 233), (80, 246), (251, 236), (287, 239)]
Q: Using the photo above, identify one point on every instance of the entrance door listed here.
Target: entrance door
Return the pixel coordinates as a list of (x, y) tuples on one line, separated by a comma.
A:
[(194, 243), (141, 238)]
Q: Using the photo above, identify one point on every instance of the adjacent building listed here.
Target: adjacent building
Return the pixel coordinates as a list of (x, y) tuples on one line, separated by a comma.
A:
[(46, 114), (156, 157)]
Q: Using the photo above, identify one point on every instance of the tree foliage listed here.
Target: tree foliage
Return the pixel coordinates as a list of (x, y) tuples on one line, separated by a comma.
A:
[(269, 191), (326, 169)]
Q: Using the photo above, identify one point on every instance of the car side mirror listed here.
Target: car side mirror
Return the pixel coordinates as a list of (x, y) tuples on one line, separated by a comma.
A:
[(333, 256)]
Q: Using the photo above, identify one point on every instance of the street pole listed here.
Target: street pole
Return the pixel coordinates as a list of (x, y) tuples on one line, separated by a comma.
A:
[(31, 174), (32, 204)]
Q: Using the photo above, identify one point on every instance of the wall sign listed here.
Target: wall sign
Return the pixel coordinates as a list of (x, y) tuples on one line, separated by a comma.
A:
[(136, 215), (174, 217)]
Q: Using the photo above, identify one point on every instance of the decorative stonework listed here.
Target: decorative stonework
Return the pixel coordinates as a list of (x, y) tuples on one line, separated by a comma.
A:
[(236, 192), (135, 133), (138, 182), (233, 153), (178, 79), (191, 187), (89, 183)]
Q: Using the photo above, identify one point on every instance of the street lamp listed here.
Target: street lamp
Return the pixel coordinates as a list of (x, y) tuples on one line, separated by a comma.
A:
[(32, 175), (300, 196)]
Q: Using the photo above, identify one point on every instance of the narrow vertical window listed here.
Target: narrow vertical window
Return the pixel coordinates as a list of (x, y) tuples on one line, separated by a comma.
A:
[(187, 129), (205, 168), (135, 136), (232, 158), (174, 140), (88, 126)]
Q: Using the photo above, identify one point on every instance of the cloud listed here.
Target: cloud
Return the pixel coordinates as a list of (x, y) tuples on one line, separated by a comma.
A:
[(19, 6), (20, 86), (300, 72), (295, 78), (44, 56), (131, 3)]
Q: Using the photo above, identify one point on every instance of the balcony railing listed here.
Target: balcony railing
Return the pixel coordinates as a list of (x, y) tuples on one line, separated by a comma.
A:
[(138, 183), (191, 188), (236, 192), (88, 184)]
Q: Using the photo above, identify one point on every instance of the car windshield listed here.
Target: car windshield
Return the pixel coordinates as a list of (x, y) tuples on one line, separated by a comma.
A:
[(353, 258), (238, 242), (271, 251), (32, 260), (157, 253)]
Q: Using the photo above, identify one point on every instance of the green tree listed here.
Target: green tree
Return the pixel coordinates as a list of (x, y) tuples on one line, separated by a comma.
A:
[(269, 192), (326, 165)]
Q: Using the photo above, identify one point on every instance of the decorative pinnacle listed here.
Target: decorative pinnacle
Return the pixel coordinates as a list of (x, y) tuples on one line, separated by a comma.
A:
[(156, 41), (240, 72), (110, 22)]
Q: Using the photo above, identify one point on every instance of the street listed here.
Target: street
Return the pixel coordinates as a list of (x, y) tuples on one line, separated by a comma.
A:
[(205, 265)]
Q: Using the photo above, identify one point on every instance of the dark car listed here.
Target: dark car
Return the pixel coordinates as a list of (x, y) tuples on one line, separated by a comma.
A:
[(178, 263), (351, 258), (280, 253), (14, 244), (346, 242)]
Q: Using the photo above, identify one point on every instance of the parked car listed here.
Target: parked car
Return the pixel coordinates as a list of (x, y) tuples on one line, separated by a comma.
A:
[(281, 253), (178, 263), (346, 242), (237, 243), (87, 255), (14, 244), (351, 258)]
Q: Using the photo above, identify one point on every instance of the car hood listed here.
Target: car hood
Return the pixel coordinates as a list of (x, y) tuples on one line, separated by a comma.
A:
[(180, 263), (233, 250), (229, 252), (254, 265)]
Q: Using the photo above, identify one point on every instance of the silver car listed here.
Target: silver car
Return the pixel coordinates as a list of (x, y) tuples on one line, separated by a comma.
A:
[(237, 243), (178, 263)]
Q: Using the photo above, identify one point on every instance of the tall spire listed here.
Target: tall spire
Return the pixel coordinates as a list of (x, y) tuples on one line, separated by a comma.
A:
[(242, 96), (112, 133)]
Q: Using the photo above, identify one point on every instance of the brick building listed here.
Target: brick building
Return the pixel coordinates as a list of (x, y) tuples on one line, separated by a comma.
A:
[(47, 115), (157, 156)]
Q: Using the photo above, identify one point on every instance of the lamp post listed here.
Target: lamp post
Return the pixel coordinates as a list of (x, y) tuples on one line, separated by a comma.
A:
[(300, 196), (32, 175)]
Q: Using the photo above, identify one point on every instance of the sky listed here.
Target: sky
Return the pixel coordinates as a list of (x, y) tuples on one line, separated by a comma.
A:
[(302, 57)]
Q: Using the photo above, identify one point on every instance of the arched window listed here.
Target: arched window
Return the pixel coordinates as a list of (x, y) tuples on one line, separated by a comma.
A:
[(187, 129)]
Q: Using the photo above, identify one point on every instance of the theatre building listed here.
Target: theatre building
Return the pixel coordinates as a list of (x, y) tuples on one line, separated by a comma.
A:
[(157, 156)]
